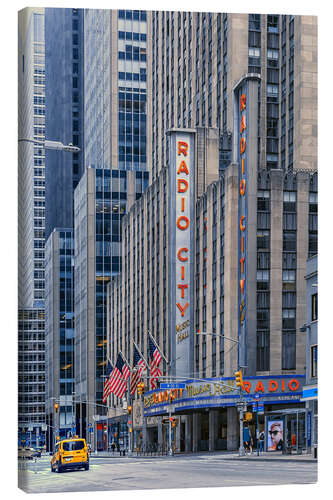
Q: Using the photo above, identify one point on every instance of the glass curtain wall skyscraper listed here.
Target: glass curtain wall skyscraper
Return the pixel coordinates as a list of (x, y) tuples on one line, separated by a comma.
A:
[(116, 89), (64, 112)]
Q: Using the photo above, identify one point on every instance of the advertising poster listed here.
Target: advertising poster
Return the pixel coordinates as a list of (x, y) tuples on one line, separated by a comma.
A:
[(275, 435)]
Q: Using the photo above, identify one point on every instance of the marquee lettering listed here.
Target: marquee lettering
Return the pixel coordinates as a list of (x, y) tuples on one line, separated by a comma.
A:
[(179, 254), (182, 168), (181, 308), (182, 148), (184, 188), (183, 222)]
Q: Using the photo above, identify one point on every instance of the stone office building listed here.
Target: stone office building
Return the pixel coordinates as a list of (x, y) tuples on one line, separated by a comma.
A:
[(281, 233)]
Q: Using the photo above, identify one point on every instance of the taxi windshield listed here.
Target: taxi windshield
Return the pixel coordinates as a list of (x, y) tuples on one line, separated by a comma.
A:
[(73, 445)]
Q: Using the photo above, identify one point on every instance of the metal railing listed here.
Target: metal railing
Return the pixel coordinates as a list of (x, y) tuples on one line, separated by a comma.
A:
[(151, 450)]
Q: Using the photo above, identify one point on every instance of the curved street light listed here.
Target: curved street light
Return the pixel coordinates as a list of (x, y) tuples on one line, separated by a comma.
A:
[(55, 145)]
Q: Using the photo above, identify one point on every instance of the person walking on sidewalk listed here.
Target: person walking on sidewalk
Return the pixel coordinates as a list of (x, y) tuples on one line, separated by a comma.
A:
[(261, 441)]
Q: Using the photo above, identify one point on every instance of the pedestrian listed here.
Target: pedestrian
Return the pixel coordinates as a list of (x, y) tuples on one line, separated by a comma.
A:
[(113, 446), (246, 439), (261, 441), (251, 445)]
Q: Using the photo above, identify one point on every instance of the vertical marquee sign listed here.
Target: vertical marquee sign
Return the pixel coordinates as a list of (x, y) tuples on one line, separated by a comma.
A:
[(245, 154), (242, 212), (181, 217)]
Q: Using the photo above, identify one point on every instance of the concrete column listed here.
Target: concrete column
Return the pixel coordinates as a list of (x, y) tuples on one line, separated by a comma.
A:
[(195, 432), (276, 269), (188, 433), (213, 428), (302, 255), (159, 431), (177, 435), (232, 429)]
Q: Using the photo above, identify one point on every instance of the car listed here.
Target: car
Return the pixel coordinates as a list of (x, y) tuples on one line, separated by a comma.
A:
[(70, 454), (27, 453)]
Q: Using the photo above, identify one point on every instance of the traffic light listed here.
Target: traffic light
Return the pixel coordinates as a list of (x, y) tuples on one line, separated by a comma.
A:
[(174, 421), (56, 407), (239, 378), (129, 410), (141, 388)]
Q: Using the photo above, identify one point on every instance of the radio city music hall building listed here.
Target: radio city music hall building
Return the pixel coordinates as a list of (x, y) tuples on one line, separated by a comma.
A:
[(220, 253)]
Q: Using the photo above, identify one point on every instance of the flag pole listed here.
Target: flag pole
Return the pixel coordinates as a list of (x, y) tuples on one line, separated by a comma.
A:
[(125, 360), (140, 354), (157, 347)]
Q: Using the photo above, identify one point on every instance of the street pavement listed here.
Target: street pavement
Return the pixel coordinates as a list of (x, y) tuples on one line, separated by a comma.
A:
[(112, 473)]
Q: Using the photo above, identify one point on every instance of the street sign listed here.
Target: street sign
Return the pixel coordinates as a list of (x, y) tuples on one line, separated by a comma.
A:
[(260, 408), (173, 386), (254, 406)]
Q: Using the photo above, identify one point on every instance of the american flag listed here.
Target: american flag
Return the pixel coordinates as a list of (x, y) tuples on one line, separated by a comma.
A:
[(107, 391), (118, 377), (155, 359), (139, 366)]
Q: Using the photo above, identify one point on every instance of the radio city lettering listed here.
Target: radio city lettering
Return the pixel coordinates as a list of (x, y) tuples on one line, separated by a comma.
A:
[(242, 215), (182, 224), (220, 388)]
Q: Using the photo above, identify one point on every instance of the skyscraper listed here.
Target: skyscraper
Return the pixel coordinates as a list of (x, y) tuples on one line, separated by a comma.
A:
[(64, 119), (31, 226), (31, 167), (116, 89), (198, 58)]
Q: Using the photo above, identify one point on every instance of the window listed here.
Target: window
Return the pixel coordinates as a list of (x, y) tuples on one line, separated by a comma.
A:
[(254, 52), (289, 201), (289, 240), (314, 355), (314, 307), (263, 201), (272, 90), (262, 240), (288, 350), (263, 351)]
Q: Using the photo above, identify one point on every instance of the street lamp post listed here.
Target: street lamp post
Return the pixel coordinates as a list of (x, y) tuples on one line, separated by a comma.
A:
[(55, 145)]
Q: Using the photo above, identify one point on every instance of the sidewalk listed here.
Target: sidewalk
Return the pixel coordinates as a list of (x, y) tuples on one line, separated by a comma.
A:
[(229, 455)]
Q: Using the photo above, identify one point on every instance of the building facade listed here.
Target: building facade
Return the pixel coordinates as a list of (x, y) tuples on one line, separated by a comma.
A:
[(31, 227), (310, 329), (64, 56), (273, 350), (59, 337), (101, 199), (115, 87), (31, 156), (197, 58), (31, 377)]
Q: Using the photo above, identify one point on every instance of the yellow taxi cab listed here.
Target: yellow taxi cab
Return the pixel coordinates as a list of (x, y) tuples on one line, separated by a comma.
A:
[(70, 453)]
